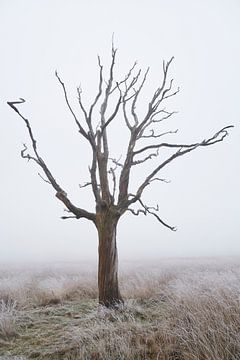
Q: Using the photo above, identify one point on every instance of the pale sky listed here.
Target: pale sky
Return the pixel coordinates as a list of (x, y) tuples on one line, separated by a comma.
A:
[(202, 200)]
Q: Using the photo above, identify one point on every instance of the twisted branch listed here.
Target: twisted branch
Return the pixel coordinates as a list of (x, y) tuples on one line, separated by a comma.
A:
[(60, 193), (150, 210)]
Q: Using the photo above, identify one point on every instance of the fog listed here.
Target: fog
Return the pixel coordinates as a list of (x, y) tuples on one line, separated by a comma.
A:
[(202, 199)]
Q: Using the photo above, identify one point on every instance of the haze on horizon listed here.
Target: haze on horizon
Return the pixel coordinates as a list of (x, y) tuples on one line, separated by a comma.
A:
[(202, 199)]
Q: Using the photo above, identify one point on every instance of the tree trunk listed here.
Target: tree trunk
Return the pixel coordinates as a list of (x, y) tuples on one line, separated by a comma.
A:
[(109, 294)]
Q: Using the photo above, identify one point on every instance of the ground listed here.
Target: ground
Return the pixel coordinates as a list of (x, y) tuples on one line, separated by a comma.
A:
[(178, 309)]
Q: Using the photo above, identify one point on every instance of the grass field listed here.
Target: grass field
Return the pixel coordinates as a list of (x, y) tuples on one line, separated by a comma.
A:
[(179, 309)]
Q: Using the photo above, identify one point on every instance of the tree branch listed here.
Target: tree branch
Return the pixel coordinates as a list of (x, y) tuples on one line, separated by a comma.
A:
[(27, 156), (152, 120), (114, 113), (129, 92), (125, 79), (138, 129), (60, 193), (188, 148), (126, 98), (69, 217), (85, 185), (87, 118), (81, 129), (47, 181), (116, 162), (149, 157), (150, 210), (136, 97), (210, 141), (114, 179), (158, 96), (105, 103), (153, 135), (99, 88)]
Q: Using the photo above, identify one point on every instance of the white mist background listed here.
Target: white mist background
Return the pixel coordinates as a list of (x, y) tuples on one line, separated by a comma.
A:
[(202, 200)]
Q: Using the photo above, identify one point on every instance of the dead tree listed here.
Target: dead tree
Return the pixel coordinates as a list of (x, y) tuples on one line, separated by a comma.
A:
[(109, 178)]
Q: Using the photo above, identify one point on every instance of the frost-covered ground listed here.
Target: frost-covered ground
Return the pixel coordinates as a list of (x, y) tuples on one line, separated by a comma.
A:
[(174, 309)]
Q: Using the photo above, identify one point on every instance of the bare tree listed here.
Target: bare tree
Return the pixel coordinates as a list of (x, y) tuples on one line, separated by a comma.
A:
[(109, 178)]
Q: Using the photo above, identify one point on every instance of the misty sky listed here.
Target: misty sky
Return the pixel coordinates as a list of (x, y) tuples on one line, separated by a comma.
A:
[(202, 200)]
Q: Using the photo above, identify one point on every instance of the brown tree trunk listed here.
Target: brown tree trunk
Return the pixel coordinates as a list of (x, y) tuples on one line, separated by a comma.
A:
[(109, 294)]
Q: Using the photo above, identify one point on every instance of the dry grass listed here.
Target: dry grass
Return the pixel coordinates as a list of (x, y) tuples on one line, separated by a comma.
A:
[(7, 319), (175, 310)]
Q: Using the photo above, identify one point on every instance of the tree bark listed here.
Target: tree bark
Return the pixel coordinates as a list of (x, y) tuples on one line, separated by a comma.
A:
[(109, 294)]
